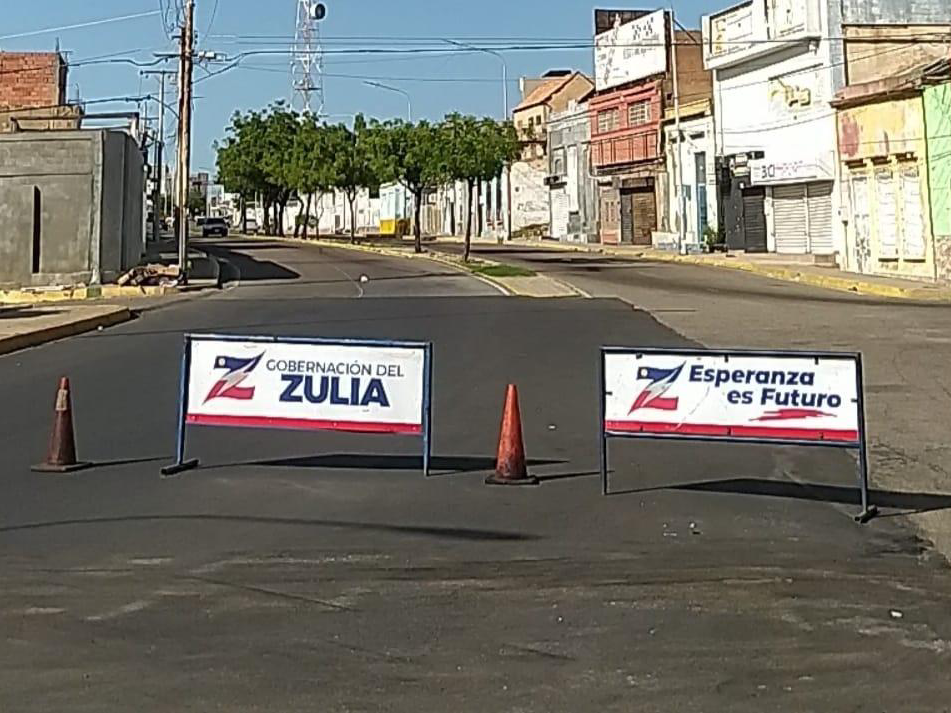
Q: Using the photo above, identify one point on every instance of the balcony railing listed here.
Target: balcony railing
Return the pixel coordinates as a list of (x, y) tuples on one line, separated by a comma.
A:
[(624, 148)]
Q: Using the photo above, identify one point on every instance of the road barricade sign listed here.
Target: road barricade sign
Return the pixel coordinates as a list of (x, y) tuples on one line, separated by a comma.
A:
[(792, 398), (357, 386)]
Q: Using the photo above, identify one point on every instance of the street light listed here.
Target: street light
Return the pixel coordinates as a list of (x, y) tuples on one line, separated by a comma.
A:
[(505, 71), (505, 116), (387, 87)]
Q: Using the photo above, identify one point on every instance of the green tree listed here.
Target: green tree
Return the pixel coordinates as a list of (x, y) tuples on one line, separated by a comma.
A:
[(353, 163), (476, 150), (281, 128), (311, 169), (240, 157), (414, 155)]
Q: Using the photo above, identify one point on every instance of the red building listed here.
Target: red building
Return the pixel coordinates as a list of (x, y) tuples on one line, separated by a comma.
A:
[(634, 85)]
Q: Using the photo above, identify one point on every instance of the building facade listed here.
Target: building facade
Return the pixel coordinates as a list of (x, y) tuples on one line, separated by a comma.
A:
[(529, 193), (691, 178), (572, 188), (937, 100), (71, 206), (775, 71), (892, 165), (634, 77)]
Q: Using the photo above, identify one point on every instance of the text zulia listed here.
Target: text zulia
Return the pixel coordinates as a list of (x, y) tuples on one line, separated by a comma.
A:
[(334, 390)]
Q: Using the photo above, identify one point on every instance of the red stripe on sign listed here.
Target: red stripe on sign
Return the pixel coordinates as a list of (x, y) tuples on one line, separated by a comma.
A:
[(695, 429), (302, 424)]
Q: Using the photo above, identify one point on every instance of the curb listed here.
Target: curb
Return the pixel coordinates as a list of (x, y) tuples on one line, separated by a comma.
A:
[(105, 292), (855, 286), (62, 331)]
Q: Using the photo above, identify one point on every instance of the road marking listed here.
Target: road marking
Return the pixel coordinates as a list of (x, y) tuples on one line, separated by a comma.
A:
[(130, 608)]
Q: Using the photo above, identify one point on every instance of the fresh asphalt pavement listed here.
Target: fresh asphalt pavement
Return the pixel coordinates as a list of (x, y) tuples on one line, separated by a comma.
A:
[(321, 572)]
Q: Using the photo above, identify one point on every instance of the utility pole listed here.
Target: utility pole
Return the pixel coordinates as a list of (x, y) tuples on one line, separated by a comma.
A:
[(159, 156), (681, 195), (185, 68)]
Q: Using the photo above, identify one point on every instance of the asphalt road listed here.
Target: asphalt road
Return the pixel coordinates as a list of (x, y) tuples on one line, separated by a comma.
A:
[(322, 572)]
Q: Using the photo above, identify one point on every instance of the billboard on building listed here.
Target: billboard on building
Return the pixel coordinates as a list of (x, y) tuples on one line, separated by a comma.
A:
[(631, 50), (730, 31)]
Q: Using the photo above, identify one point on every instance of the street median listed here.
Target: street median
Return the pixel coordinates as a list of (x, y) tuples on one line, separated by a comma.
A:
[(509, 280)]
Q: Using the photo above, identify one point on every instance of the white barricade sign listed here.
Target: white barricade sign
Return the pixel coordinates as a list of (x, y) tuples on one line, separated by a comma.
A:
[(305, 384), (764, 397)]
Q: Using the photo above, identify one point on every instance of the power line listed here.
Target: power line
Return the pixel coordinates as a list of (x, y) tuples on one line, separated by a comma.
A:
[(80, 25), (211, 22)]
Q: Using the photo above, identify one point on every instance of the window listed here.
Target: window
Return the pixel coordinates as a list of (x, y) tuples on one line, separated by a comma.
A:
[(914, 243), (639, 113), (558, 167), (887, 218), (608, 121)]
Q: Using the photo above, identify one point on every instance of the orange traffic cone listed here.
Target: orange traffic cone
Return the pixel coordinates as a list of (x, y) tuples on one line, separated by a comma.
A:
[(62, 452), (510, 468)]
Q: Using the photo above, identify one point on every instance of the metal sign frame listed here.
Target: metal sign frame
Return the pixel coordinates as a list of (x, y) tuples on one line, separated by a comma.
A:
[(181, 464), (868, 511)]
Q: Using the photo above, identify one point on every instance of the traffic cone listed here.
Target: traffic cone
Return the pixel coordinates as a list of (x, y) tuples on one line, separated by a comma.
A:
[(61, 457), (510, 468)]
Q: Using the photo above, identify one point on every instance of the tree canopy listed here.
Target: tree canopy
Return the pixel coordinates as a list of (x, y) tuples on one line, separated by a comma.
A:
[(276, 154)]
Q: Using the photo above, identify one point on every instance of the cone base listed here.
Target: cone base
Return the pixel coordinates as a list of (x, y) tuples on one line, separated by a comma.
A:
[(497, 480), (50, 468)]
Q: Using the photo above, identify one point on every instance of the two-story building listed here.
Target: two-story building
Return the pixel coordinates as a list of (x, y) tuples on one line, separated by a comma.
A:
[(541, 98), (776, 65), (634, 73)]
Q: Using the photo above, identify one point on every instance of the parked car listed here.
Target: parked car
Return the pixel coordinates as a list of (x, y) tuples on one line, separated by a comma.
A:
[(253, 227), (214, 226)]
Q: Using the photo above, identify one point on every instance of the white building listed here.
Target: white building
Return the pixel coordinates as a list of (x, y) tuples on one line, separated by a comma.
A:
[(775, 71), (696, 157)]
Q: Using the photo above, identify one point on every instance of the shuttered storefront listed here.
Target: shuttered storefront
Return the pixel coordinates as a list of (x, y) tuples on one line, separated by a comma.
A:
[(802, 218), (754, 219), (789, 218), (559, 213)]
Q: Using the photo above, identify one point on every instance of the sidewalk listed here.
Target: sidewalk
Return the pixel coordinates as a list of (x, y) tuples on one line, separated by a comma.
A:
[(791, 269), (23, 327), (205, 273)]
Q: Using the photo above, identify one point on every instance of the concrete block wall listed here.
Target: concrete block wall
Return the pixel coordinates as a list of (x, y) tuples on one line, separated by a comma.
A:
[(32, 79), (81, 194)]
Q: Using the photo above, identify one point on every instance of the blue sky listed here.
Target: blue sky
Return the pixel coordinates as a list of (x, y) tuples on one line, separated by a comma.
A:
[(244, 25)]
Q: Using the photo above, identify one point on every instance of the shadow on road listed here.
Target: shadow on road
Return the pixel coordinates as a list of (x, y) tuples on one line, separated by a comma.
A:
[(248, 268), (912, 502), (451, 533), (447, 465)]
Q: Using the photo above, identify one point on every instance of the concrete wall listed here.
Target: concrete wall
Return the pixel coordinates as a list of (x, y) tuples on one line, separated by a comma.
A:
[(937, 104), (79, 195), (869, 12), (58, 171), (529, 195), (879, 52)]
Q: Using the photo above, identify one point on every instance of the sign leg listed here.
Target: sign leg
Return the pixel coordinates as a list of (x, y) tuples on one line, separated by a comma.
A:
[(181, 465), (868, 511)]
